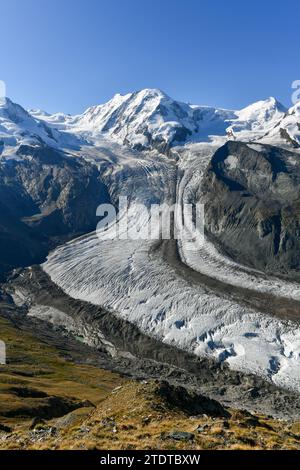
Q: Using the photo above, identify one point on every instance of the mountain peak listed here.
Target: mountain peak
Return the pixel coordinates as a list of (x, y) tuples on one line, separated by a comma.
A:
[(142, 119), (152, 92), (258, 118), (269, 103), (18, 126), (272, 100), (276, 104), (12, 111), (147, 94)]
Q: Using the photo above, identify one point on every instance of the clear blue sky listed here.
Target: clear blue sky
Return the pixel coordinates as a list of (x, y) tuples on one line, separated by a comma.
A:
[(65, 55)]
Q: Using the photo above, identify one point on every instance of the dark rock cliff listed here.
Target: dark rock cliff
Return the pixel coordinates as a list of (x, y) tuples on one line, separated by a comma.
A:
[(252, 205), (45, 196)]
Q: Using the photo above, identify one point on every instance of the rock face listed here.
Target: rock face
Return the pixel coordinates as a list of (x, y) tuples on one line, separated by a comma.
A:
[(188, 400), (251, 194), (45, 195)]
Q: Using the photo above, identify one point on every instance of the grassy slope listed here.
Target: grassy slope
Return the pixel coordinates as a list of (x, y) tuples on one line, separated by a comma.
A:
[(34, 365), (127, 415)]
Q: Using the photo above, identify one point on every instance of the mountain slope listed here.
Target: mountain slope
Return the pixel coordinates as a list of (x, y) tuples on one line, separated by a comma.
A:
[(18, 126), (45, 194), (144, 119), (141, 119), (254, 121), (287, 129), (251, 194), (144, 416)]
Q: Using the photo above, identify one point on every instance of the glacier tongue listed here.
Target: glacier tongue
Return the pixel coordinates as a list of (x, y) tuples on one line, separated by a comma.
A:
[(135, 280)]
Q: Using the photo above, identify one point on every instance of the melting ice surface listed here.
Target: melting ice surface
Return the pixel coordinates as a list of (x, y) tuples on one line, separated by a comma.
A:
[(133, 279)]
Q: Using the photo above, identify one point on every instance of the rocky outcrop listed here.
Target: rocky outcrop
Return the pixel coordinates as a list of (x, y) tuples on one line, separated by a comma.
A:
[(46, 196), (251, 194), (189, 401)]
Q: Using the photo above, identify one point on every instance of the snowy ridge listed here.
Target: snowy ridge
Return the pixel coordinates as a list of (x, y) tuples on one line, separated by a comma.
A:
[(18, 127), (288, 128), (149, 118), (256, 120)]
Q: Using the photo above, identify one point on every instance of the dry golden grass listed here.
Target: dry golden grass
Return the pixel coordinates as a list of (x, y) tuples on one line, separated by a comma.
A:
[(129, 414), (134, 417), (32, 364)]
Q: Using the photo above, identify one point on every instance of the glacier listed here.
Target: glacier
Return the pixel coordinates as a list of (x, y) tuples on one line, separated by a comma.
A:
[(137, 281)]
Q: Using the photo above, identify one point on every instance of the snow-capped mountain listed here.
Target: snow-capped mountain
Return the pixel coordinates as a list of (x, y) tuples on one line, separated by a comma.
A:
[(287, 129), (151, 119), (58, 121), (18, 126), (257, 119), (143, 119)]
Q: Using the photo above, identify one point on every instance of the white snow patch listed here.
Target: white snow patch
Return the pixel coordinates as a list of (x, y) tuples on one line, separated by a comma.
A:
[(232, 162)]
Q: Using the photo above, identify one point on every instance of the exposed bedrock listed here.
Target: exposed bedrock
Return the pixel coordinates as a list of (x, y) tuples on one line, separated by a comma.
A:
[(251, 194), (45, 197)]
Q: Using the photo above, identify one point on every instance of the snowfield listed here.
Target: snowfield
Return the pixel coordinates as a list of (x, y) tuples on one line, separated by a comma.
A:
[(133, 278)]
